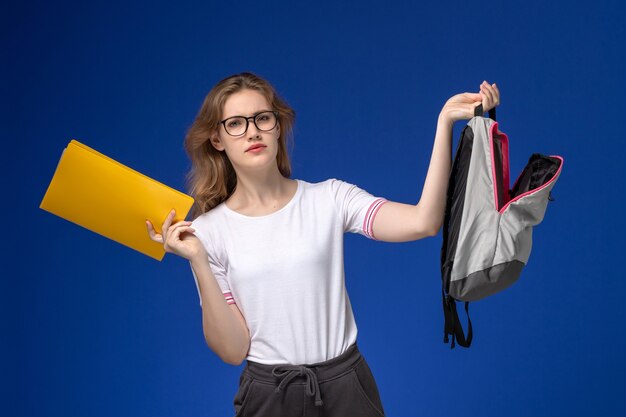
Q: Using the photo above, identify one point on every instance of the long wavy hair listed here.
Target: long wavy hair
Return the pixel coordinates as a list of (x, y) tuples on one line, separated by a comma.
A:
[(212, 178)]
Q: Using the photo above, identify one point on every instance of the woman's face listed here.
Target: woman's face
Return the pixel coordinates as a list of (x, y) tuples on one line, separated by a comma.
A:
[(248, 103)]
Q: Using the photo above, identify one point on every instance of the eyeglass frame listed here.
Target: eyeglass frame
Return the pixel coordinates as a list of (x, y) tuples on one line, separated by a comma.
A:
[(247, 119)]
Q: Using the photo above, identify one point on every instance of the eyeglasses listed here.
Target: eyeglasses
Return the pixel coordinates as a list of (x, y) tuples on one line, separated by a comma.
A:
[(238, 125)]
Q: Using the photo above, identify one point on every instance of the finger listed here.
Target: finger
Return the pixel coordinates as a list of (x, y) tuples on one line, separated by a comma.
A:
[(175, 235), (174, 231), (178, 224), (168, 222), (169, 218), (493, 89), (149, 227), (471, 96), (186, 229), (497, 92), (489, 101), (488, 91), (157, 237)]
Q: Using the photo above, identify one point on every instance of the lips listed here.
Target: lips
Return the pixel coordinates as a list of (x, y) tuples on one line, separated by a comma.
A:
[(255, 147)]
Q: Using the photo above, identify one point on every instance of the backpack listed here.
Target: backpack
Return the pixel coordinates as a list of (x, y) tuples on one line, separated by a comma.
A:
[(487, 232)]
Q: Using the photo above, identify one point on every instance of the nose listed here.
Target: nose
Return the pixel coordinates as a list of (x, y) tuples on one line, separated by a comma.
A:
[(253, 132)]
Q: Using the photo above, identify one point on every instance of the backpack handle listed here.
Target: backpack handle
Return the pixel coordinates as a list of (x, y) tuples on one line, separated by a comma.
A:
[(478, 111)]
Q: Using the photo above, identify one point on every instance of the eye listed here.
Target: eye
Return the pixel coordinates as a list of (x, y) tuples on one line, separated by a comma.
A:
[(233, 123)]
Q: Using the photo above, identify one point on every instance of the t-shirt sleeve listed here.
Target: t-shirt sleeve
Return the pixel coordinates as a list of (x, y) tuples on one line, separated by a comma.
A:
[(356, 207), (217, 267)]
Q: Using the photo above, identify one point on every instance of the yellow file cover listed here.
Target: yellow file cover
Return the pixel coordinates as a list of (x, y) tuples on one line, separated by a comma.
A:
[(106, 197)]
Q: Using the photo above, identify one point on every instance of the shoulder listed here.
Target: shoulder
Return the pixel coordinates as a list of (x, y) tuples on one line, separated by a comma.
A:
[(210, 221), (337, 192), (325, 184), (210, 216), (211, 228), (331, 187)]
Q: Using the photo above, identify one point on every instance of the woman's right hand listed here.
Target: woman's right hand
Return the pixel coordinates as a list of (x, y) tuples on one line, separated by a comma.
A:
[(177, 238), (462, 106)]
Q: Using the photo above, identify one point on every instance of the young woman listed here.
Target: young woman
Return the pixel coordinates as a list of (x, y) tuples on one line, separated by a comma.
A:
[(266, 251)]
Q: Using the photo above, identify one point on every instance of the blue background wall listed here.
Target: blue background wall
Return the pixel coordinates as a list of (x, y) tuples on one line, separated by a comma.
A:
[(91, 328)]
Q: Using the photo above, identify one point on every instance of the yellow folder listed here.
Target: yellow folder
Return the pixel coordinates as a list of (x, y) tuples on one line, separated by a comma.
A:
[(106, 197)]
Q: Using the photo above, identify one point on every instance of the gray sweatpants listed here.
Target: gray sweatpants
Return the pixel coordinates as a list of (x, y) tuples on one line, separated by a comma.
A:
[(340, 387)]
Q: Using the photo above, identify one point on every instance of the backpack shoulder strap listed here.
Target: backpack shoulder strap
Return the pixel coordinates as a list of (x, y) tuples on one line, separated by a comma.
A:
[(452, 325)]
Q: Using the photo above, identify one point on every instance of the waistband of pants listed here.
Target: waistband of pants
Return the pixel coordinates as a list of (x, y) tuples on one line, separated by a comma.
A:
[(323, 370)]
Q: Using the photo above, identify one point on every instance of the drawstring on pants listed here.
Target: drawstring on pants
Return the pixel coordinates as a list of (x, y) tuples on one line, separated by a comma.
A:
[(287, 372)]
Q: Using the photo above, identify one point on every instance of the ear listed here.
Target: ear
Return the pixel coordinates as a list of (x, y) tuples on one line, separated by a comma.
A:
[(217, 143)]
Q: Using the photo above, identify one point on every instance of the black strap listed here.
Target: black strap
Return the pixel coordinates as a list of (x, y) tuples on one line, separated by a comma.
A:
[(478, 111), (452, 325)]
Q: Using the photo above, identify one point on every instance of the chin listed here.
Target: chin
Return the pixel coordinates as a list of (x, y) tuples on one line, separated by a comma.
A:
[(263, 163)]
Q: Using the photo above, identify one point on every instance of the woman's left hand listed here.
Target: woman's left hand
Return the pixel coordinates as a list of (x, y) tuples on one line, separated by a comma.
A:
[(462, 106)]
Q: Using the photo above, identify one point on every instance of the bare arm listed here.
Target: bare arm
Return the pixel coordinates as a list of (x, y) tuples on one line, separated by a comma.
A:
[(398, 222), (225, 329)]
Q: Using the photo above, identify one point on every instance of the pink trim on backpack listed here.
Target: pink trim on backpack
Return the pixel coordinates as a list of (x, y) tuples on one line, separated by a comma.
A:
[(556, 175), (504, 144)]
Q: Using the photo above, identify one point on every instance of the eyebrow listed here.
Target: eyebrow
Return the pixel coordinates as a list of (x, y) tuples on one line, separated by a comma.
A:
[(240, 115)]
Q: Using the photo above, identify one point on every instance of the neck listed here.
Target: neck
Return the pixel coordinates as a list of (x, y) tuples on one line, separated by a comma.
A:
[(261, 188)]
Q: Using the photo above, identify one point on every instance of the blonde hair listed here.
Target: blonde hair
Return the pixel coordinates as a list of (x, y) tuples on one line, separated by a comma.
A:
[(212, 178)]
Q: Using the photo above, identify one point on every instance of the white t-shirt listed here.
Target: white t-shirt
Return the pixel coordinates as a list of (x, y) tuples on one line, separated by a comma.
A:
[(285, 270)]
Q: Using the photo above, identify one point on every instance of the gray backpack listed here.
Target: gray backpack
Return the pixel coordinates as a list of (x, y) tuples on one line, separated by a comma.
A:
[(487, 233)]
